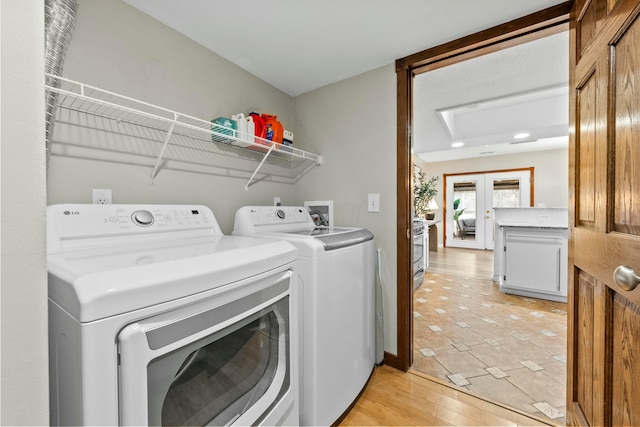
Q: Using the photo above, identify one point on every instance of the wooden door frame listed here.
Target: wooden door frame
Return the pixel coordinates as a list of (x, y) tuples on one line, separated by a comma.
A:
[(537, 25), (531, 170)]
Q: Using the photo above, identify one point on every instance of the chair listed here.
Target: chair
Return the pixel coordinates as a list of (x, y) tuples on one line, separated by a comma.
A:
[(467, 227)]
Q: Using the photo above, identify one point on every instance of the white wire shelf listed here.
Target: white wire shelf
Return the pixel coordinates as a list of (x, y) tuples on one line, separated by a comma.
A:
[(176, 131)]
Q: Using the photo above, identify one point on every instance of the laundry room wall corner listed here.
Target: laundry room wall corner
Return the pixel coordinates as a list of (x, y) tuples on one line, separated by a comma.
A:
[(353, 124)]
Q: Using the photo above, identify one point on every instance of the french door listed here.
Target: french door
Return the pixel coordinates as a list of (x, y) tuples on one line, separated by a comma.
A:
[(470, 199)]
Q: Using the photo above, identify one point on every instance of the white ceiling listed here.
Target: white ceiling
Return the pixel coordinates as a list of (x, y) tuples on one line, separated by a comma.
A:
[(301, 45), (493, 97)]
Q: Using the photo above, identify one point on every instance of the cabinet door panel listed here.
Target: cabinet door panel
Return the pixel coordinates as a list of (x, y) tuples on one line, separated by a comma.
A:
[(533, 263)]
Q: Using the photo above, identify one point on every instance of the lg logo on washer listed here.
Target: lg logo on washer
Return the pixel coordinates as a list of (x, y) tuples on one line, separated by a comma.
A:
[(71, 212)]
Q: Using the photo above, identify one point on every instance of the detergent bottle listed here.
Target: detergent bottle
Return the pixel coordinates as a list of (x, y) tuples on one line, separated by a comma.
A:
[(273, 128), (259, 131), (251, 129), (241, 126)]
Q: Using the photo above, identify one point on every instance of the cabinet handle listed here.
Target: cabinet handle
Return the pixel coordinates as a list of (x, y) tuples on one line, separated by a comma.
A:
[(626, 278)]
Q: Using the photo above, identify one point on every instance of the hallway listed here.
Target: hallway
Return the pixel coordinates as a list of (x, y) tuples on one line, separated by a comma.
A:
[(506, 348)]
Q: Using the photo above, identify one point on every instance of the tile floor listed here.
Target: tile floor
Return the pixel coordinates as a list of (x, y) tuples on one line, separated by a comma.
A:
[(506, 348)]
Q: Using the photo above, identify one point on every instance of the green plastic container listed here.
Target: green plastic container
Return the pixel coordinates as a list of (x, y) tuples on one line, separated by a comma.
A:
[(223, 126)]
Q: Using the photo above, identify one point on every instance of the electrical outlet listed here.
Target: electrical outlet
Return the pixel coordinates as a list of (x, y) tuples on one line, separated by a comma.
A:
[(101, 196), (373, 204)]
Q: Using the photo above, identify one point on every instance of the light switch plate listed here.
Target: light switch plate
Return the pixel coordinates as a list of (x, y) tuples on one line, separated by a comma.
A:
[(373, 204)]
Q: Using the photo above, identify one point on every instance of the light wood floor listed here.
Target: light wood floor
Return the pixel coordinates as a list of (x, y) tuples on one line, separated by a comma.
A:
[(458, 261), (396, 398)]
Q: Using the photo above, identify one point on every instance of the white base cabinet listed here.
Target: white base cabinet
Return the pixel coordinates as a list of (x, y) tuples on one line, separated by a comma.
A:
[(534, 262)]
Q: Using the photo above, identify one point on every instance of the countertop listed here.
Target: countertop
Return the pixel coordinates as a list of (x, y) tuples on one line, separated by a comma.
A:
[(530, 225)]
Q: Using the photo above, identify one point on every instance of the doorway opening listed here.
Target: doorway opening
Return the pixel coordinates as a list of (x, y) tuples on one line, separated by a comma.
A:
[(533, 27), (466, 331)]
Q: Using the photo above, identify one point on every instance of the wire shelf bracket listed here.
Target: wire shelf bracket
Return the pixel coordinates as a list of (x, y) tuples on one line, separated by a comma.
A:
[(154, 173), (246, 187)]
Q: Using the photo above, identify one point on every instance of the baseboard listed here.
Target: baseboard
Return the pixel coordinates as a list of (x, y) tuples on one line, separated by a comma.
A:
[(391, 360)]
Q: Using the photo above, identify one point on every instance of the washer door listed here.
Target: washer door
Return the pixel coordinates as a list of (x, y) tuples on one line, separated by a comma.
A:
[(230, 365)]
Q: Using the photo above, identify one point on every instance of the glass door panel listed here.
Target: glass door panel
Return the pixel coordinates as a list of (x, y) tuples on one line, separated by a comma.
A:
[(506, 193), (504, 190), (225, 359), (465, 199), (216, 379), (465, 212)]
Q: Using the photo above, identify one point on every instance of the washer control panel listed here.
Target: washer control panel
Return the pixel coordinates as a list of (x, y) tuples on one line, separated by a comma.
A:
[(250, 219), (279, 215)]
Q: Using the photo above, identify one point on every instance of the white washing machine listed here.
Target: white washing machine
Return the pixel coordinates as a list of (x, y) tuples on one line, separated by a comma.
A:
[(156, 318), (336, 267)]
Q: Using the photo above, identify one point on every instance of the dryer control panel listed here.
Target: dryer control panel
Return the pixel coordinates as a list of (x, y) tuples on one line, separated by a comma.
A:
[(85, 223)]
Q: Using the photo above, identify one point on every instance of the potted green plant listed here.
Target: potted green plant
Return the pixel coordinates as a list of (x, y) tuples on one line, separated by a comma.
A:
[(456, 215), (423, 193)]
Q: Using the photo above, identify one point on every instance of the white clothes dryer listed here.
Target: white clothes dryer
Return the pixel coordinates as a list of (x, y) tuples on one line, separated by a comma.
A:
[(336, 269), (156, 318)]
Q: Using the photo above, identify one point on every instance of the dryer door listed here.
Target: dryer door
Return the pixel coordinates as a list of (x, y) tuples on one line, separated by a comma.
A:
[(223, 365)]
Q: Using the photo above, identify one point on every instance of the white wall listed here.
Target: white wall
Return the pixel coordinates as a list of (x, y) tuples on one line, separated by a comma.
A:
[(117, 48), (23, 297), (551, 175), (353, 124)]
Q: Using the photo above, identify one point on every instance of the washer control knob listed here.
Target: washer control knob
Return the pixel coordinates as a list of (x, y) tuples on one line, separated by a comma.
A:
[(280, 213), (142, 218)]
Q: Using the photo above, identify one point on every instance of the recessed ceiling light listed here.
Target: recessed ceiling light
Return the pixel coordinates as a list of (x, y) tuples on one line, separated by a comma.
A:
[(457, 144), (521, 135)]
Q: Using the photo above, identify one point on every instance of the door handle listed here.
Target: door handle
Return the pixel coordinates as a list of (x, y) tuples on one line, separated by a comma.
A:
[(626, 278)]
